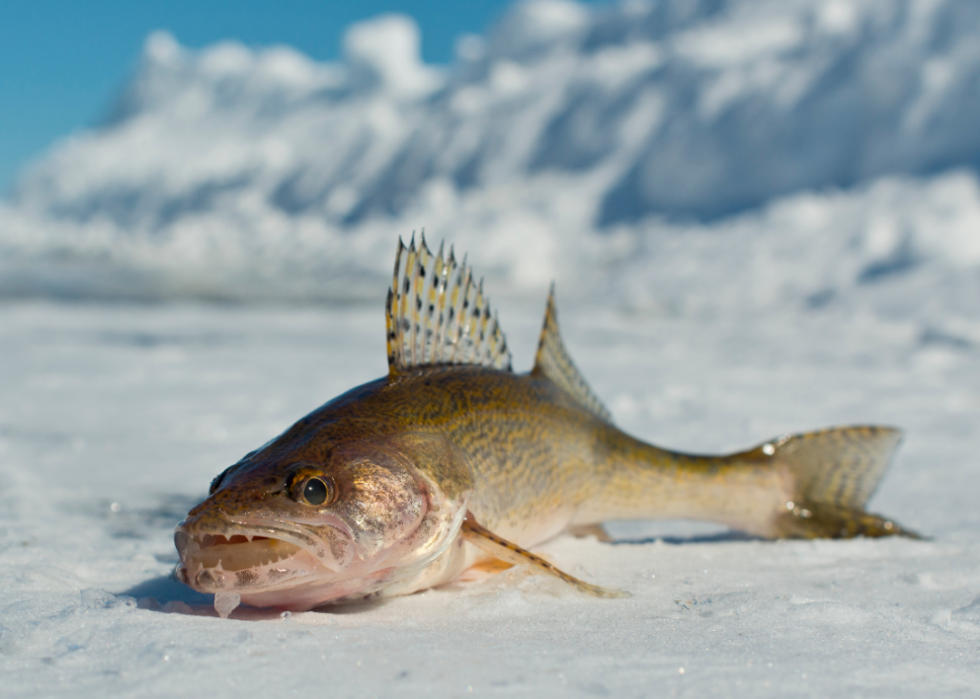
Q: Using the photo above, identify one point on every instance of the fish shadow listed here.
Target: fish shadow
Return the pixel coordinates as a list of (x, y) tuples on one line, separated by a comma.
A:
[(718, 538), (166, 589), (167, 595)]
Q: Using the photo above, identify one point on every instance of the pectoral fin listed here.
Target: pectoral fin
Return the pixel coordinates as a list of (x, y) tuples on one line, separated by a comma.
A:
[(483, 538)]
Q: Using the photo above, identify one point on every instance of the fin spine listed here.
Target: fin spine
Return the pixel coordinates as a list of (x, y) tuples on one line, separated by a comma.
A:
[(552, 361), (437, 314), (504, 550)]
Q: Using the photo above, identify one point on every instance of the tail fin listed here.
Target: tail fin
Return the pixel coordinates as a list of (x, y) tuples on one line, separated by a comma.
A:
[(835, 472)]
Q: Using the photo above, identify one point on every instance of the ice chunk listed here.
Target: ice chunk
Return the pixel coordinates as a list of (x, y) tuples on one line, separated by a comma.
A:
[(225, 603)]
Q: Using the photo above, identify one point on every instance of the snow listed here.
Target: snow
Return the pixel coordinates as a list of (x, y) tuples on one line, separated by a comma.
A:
[(762, 218), (384, 54), (246, 173), (115, 418)]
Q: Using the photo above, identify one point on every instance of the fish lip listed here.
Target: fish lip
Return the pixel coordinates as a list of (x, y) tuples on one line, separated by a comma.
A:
[(221, 524), (294, 533)]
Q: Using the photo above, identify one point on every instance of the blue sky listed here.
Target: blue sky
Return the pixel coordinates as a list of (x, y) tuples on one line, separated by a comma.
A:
[(61, 61)]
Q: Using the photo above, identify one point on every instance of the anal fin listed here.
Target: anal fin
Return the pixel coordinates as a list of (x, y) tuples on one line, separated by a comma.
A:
[(500, 548), (598, 531)]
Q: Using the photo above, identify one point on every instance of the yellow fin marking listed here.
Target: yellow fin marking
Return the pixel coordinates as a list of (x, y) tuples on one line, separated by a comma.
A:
[(437, 314)]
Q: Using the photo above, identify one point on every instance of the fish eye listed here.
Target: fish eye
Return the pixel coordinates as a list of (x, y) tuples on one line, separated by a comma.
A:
[(315, 491), (310, 486)]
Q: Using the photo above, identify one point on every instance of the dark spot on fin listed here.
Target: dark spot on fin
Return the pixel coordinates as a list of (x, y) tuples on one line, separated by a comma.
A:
[(427, 319)]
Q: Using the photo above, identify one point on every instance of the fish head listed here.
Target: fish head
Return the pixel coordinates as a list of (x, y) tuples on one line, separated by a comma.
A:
[(297, 529)]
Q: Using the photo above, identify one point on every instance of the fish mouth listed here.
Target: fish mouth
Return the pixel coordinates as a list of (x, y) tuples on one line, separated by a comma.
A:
[(239, 551), (258, 557)]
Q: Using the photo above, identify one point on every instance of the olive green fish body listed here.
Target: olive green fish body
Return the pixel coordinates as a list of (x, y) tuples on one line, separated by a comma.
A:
[(540, 462)]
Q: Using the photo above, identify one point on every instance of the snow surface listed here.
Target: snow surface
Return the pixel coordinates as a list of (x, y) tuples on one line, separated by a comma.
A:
[(763, 217), (113, 419)]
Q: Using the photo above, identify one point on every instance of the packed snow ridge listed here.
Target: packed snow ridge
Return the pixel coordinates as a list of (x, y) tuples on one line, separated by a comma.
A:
[(565, 134)]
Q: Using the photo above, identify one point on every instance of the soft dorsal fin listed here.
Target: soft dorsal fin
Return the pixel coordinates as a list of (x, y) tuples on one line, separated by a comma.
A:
[(552, 361), (437, 314)]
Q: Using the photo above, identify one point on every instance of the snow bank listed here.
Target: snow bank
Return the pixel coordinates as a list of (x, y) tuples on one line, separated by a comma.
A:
[(565, 133)]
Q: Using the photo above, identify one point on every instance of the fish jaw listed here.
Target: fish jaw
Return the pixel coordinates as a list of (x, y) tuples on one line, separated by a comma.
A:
[(275, 565), (218, 554)]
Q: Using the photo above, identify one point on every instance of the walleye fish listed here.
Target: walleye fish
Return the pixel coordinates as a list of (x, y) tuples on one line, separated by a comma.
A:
[(452, 460)]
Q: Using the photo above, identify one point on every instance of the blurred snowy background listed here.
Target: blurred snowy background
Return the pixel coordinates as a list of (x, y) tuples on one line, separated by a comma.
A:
[(804, 152), (763, 216)]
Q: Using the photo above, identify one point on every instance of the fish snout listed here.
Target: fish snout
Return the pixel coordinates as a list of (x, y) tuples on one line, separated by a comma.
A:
[(246, 560)]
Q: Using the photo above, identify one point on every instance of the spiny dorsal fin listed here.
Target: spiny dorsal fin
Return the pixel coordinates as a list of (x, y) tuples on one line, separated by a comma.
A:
[(553, 362), (437, 314)]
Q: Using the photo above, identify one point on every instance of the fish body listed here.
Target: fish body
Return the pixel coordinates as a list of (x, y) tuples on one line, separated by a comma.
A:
[(451, 460)]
